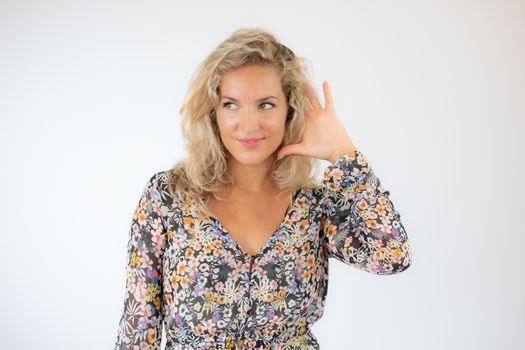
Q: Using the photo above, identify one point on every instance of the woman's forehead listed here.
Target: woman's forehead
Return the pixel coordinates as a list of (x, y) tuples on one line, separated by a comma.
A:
[(251, 82)]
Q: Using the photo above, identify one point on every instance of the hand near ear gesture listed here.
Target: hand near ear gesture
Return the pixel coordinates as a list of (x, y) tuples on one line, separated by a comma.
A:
[(324, 135)]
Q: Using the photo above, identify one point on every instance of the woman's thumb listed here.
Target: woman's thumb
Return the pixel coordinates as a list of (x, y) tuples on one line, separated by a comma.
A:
[(287, 150)]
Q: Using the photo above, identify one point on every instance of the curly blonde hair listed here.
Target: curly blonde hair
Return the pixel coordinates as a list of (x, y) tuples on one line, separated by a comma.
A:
[(203, 172)]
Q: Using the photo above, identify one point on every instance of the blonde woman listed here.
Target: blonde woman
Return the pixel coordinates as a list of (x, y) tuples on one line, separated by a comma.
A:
[(229, 248)]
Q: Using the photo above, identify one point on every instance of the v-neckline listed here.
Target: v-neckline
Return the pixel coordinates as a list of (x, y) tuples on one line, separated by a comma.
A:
[(268, 240)]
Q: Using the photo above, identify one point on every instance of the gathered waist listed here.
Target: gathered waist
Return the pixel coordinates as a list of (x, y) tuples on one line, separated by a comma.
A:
[(302, 338)]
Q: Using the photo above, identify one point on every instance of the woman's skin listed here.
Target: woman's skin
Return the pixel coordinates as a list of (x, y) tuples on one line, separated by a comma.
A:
[(244, 111), (249, 117)]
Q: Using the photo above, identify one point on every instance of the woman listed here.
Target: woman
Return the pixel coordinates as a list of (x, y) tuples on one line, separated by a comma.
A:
[(229, 248)]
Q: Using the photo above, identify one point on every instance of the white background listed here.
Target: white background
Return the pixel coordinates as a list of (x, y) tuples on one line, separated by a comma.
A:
[(432, 92)]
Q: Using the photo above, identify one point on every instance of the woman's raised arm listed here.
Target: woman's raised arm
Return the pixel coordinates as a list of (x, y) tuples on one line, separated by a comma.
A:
[(359, 224)]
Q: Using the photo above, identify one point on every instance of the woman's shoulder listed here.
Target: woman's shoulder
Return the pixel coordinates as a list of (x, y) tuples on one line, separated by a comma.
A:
[(167, 183)]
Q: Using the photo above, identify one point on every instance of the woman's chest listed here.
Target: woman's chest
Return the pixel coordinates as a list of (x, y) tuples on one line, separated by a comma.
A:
[(205, 270), (201, 250), (250, 223)]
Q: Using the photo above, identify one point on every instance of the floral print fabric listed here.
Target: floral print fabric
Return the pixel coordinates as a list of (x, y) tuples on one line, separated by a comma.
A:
[(185, 272)]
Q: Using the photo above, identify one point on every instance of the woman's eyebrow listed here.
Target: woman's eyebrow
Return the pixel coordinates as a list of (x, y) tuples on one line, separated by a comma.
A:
[(261, 99)]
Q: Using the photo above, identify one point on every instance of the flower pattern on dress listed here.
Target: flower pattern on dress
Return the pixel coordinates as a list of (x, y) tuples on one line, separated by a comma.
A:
[(186, 273)]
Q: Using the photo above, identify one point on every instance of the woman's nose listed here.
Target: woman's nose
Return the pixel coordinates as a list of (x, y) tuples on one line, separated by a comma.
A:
[(249, 120)]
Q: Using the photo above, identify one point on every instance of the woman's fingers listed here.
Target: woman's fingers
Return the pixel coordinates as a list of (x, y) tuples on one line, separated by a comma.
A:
[(328, 98)]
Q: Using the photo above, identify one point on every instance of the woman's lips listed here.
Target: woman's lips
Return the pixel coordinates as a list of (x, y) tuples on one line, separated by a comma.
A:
[(250, 143)]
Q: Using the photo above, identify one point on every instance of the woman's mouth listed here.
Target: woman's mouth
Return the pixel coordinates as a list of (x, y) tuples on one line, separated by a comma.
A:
[(250, 143)]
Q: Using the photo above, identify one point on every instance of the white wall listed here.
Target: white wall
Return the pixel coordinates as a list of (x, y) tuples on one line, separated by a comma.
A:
[(433, 93)]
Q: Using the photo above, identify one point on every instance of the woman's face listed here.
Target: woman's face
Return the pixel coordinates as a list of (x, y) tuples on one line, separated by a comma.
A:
[(252, 105)]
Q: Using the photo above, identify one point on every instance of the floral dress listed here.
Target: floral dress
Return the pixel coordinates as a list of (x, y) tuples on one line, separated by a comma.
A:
[(186, 273)]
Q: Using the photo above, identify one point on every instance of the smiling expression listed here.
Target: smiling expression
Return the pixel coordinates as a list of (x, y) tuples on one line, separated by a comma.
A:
[(252, 105)]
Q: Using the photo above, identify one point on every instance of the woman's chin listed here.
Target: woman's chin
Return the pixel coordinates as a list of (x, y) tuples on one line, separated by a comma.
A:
[(253, 158)]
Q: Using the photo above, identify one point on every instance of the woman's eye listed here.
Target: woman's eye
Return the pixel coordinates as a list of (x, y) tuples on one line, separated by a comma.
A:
[(267, 103), (226, 104)]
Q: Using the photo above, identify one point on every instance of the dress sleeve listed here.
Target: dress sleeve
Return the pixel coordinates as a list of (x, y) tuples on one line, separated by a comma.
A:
[(360, 225), (142, 316)]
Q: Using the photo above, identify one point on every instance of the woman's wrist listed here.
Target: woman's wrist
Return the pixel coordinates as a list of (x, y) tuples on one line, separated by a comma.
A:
[(337, 154)]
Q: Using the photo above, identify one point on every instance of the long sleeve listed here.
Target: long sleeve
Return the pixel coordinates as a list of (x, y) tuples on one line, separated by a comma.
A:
[(359, 224), (140, 326)]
